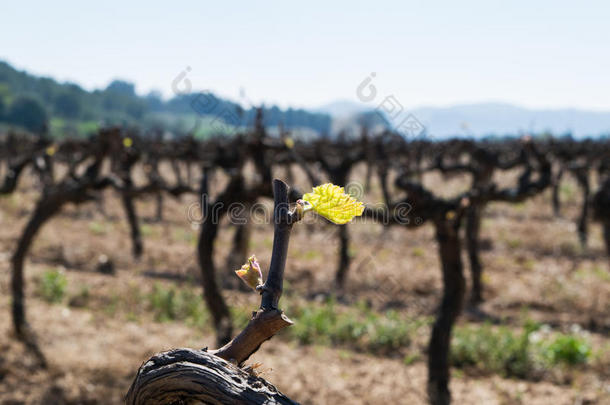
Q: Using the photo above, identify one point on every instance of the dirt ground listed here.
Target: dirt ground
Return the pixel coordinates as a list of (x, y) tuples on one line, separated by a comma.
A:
[(532, 261)]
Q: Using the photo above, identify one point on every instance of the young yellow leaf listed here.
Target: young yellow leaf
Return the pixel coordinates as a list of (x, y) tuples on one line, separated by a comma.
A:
[(332, 203)]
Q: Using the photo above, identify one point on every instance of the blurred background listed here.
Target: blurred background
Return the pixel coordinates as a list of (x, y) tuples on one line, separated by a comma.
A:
[(453, 66)]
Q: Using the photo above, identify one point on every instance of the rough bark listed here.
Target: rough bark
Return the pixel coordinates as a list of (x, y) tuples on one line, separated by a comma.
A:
[(555, 193), (12, 176), (159, 207), (212, 214), (263, 325), (344, 259), (339, 175), (473, 226), (43, 212), (211, 289), (134, 226), (52, 200), (283, 220), (185, 376), (453, 292), (601, 207), (382, 171), (606, 226), (582, 176)]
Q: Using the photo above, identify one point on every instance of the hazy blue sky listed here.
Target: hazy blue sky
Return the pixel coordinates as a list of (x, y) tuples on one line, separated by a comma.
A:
[(533, 53)]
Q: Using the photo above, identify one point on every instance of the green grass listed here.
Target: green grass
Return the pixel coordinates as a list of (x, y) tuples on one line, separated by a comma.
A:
[(173, 304), (567, 349), (113, 304), (567, 191), (359, 327), (596, 272), (98, 228), (514, 243), (419, 252), (52, 286), (147, 230), (523, 354), (519, 207), (526, 352), (411, 358), (311, 254), (314, 323), (185, 235)]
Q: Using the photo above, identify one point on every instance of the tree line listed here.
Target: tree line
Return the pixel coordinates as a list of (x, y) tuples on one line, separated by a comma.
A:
[(38, 103)]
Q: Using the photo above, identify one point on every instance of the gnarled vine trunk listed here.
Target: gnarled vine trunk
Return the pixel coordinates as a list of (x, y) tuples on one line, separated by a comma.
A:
[(45, 209), (473, 227), (186, 376), (454, 287)]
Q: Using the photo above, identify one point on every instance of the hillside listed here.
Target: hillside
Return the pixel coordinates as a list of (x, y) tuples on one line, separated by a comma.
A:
[(41, 103)]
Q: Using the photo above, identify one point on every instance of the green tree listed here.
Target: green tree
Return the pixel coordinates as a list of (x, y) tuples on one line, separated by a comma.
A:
[(67, 105), (154, 101), (29, 113), (5, 97), (121, 87)]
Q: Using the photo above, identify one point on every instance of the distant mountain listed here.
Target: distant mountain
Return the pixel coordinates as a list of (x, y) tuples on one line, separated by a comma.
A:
[(481, 119), (506, 119)]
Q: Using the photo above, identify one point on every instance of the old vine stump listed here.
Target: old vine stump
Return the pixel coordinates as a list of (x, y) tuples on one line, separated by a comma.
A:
[(186, 376)]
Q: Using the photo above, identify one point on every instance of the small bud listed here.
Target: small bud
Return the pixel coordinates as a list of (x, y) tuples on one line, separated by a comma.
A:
[(251, 273), (301, 208)]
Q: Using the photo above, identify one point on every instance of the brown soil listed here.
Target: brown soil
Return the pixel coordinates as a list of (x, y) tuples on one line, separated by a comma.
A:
[(533, 261)]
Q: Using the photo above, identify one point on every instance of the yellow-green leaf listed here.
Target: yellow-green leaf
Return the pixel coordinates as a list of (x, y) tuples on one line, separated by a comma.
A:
[(332, 203)]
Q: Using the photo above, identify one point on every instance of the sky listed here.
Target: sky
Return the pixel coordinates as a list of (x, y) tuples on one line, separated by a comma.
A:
[(537, 54)]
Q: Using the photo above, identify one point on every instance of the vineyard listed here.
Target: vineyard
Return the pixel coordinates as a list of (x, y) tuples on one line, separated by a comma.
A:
[(473, 272)]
